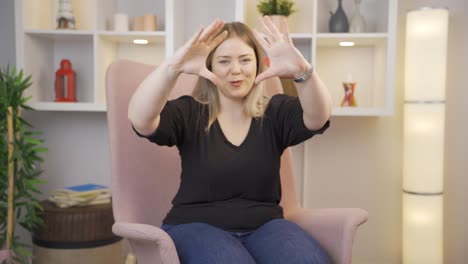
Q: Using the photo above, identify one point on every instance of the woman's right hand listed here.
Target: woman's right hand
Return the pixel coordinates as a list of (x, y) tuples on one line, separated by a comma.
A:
[(191, 58)]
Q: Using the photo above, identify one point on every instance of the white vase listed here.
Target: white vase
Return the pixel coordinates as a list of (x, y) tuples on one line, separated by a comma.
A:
[(358, 23)]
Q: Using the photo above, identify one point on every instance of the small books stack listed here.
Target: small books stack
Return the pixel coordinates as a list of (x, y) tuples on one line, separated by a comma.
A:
[(81, 195)]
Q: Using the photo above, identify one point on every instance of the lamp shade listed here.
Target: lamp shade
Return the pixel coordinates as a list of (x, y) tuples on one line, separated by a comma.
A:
[(425, 54), (422, 229), (423, 148), (423, 135)]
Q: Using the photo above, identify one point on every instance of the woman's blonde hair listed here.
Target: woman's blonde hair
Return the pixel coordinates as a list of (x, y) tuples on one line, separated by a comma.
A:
[(206, 92)]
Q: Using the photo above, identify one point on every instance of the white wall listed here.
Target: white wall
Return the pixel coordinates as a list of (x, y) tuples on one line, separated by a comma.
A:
[(456, 172), (356, 163), (78, 148), (7, 33)]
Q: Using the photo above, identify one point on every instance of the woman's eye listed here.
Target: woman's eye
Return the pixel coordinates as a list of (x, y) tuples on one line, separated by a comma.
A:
[(223, 62), (246, 60)]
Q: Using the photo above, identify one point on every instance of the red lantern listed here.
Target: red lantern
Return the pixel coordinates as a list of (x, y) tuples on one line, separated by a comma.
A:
[(65, 82)]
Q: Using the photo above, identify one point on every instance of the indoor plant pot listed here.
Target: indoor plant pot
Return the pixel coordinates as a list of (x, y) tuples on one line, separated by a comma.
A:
[(276, 9)]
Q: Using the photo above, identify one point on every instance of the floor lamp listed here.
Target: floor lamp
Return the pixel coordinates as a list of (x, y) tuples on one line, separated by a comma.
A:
[(423, 135)]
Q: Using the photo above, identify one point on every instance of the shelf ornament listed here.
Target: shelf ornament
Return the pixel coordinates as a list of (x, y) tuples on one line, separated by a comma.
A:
[(358, 22), (338, 21), (65, 17), (349, 99), (65, 82)]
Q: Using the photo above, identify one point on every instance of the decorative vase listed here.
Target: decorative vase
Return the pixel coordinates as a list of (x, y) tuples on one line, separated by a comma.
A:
[(358, 23), (65, 17), (349, 99), (338, 20)]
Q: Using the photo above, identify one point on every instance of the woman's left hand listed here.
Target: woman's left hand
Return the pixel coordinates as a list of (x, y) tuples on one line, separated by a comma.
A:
[(285, 59)]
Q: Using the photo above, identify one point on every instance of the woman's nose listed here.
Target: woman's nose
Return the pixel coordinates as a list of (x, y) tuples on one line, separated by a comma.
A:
[(235, 67)]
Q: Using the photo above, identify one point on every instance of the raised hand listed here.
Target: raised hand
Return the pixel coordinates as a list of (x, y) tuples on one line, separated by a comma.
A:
[(191, 58), (285, 59)]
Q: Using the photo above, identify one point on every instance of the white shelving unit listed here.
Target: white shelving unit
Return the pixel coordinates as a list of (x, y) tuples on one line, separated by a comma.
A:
[(93, 46)]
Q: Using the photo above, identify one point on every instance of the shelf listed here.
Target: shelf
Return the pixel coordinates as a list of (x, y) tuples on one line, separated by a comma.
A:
[(360, 39), (94, 45), (364, 65), (352, 35), (59, 34), (42, 14), (107, 8), (42, 55), (78, 107), (112, 46), (376, 14), (128, 37)]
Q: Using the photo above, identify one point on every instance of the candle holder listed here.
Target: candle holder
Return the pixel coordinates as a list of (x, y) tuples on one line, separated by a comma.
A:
[(65, 82), (349, 99)]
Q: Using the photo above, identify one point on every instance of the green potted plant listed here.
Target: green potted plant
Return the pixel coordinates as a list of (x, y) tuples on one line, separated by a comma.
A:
[(276, 9), (20, 151)]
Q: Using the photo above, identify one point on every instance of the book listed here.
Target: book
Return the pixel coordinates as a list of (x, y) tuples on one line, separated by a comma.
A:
[(85, 189), (80, 195)]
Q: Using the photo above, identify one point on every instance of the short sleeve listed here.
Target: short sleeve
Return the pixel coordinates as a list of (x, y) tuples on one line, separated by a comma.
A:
[(173, 122), (288, 116)]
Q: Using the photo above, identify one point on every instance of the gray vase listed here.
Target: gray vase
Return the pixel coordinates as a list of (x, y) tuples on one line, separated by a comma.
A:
[(338, 21)]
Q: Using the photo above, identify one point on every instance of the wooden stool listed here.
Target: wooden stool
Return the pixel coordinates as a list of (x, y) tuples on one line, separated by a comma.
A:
[(77, 235)]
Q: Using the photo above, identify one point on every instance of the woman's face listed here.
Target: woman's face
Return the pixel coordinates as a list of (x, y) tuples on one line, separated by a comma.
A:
[(235, 65)]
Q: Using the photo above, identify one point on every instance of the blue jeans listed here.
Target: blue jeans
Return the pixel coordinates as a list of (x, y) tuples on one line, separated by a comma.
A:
[(277, 241)]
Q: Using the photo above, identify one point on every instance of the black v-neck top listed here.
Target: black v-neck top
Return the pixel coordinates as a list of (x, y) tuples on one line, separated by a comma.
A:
[(236, 188)]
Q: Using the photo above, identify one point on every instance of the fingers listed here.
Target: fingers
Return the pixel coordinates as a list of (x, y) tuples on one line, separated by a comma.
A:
[(261, 39), (211, 30), (270, 29), (266, 30), (196, 36), (264, 75), (215, 42), (273, 29), (209, 75), (285, 29), (214, 33)]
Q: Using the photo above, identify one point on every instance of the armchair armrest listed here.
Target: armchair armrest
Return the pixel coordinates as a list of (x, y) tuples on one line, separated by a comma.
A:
[(151, 244), (334, 229)]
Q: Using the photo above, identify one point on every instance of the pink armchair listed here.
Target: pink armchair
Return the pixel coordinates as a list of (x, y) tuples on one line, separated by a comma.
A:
[(145, 178)]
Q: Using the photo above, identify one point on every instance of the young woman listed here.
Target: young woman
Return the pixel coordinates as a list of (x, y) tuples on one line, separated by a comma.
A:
[(230, 136)]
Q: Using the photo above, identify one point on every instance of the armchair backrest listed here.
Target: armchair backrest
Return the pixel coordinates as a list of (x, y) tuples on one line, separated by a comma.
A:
[(145, 176)]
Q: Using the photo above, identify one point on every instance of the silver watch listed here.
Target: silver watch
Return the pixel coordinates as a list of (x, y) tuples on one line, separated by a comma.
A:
[(304, 76)]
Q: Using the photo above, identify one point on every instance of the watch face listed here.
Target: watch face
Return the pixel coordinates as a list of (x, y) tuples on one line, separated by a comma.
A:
[(304, 76)]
